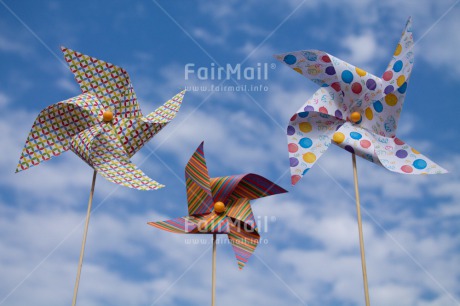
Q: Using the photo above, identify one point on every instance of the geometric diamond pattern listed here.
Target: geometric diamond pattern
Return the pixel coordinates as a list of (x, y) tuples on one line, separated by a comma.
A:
[(77, 124)]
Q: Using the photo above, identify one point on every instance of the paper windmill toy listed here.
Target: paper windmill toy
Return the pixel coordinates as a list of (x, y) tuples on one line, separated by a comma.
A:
[(221, 205), (104, 126), (355, 110)]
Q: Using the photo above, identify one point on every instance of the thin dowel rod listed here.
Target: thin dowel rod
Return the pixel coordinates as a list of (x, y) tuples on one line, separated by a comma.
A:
[(360, 230), (213, 294), (82, 251)]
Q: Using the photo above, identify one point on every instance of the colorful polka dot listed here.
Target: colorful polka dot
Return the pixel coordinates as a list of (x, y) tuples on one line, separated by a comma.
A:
[(398, 141), (389, 89), (336, 86), (378, 106), (305, 171), (419, 164), (400, 80), (323, 110), (293, 161), (290, 130), (415, 151), (295, 179), (391, 99), (371, 84), (309, 157), (305, 142), (293, 117), (305, 127), (349, 149), (290, 59), (338, 114), (401, 153), (388, 75), (369, 114), (330, 70), (360, 72), (298, 70), (292, 148), (402, 89), (326, 59), (347, 76), (365, 143), (308, 108), (303, 114), (398, 50), (356, 88), (338, 137), (397, 66), (356, 135), (407, 169)]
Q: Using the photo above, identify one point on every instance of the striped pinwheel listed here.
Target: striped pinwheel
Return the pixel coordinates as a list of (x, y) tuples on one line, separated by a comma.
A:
[(104, 126), (221, 205), (355, 109)]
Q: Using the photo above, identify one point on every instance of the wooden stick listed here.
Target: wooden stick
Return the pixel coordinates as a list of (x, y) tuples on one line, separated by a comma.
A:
[(360, 229), (82, 251), (213, 294)]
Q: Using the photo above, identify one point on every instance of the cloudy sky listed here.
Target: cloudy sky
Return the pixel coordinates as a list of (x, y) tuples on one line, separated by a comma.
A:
[(310, 251)]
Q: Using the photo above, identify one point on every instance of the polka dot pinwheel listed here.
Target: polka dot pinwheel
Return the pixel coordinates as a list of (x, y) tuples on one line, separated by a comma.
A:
[(221, 205), (104, 126), (355, 110)]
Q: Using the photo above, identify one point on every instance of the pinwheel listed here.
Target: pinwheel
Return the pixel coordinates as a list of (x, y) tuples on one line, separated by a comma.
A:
[(104, 126), (221, 205), (356, 111)]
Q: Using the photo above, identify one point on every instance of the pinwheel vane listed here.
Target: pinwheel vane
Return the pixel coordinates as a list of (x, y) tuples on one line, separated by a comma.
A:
[(221, 205), (104, 126), (356, 111)]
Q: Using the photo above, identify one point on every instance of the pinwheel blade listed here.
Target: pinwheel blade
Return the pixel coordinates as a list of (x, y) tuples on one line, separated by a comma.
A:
[(110, 159), (109, 83), (55, 126), (382, 116), (134, 133), (240, 210), (398, 156), (167, 111), (243, 243), (309, 136), (250, 186), (180, 225), (197, 180)]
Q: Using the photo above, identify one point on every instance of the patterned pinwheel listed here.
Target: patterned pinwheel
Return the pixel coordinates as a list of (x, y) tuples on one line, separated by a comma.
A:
[(355, 109), (103, 126), (221, 205)]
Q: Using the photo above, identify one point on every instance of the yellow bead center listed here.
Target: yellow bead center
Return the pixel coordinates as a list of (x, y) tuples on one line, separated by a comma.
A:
[(355, 117), (219, 207), (107, 116)]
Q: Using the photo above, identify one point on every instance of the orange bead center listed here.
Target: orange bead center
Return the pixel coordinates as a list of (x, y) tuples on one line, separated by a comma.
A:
[(107, 116), (219, 207), (355, 117)]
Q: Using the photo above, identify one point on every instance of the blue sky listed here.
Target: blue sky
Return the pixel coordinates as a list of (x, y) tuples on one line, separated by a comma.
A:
[(310, 252)]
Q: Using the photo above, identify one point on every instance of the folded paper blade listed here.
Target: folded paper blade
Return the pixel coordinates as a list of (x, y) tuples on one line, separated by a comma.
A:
[(108, 82), (240, 210), (110, 159), (180, 225), (54, 128), (167, 111), (134, 133), (309, 136), (197, 181), (244, 243)]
